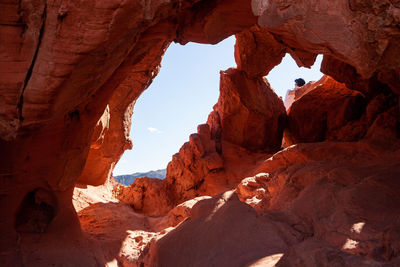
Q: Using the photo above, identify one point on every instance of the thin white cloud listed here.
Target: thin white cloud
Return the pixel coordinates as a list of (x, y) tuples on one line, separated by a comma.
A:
[(154, 130)]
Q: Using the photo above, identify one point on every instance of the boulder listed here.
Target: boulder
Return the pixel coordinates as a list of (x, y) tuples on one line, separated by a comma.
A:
[(323, 111)]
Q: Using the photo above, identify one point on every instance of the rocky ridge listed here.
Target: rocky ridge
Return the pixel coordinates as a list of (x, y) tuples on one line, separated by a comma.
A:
[(128, 179)]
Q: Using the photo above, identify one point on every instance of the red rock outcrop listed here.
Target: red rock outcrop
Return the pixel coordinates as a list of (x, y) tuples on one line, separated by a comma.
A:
[(247, 120), (315, 204), (248, 116), (307, 27), (217, 229), (336, 195), (196, 165), (331, 111), (257, 51), (146, 195), (52, 105), (294, 95), (194, 171), (128, 83), (337, 106), (248, 113)]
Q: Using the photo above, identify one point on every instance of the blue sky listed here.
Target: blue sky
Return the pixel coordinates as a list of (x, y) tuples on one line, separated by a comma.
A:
[(181, 97)]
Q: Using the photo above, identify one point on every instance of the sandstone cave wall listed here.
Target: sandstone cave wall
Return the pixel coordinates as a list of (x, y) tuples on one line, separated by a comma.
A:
[(63, 63)]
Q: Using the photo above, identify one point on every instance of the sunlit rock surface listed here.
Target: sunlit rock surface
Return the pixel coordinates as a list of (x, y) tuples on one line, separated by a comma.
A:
[(328, 110), (336, 196), (317, 115), (146, 195), (246, 124), (294, 95), (70, 74)]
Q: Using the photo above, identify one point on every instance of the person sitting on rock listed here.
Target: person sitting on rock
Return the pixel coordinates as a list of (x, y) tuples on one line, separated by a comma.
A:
[(299, 82), (290, 94)]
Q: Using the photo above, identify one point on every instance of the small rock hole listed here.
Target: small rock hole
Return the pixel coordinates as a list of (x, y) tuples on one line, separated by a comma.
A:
[(36, 212)]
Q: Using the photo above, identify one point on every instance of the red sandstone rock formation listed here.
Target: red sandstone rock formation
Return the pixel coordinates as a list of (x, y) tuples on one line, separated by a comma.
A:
[(306, 27), (331, 111), (213, 162), (300, 91), (317, 204), (128, 83), (248, 112), (197, 159), (247, 120), (221, 231), (257, 51), (146, 195), (62, 63), (337, 106), (332, 194), (196, 170), (52, 101)]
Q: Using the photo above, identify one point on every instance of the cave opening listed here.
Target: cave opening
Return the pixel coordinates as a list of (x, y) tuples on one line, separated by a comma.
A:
[(282, 76), (182, 96)]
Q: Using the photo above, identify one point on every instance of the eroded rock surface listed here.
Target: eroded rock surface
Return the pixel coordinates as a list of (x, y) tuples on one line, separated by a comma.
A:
[(146, 195), (215, 233), (308, 205), (246, 124), (306, 27), (328, 110), (337, 196), (337, 106), (314, 204), (248, 112), (294, 95)]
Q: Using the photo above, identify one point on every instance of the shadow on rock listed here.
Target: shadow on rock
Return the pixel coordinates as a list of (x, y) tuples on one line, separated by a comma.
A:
[(222, 231), (116, 230)]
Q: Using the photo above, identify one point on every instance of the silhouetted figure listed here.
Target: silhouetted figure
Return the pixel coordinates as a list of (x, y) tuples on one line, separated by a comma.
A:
[(290, 94)]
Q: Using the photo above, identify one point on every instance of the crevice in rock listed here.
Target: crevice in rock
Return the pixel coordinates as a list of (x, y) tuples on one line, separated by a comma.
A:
[(30, 69), (196, 186)]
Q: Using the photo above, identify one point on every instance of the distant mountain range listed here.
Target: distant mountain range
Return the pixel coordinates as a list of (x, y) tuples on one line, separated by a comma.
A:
[(128, 179)]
